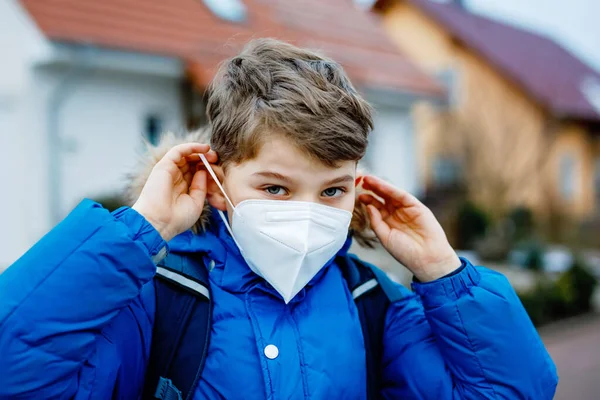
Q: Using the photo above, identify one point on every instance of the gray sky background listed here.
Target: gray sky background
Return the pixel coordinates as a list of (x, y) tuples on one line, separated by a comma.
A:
[(574, 23)]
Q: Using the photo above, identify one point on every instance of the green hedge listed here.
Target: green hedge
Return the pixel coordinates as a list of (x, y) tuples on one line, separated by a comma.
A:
[(569, 295), (471, 225)]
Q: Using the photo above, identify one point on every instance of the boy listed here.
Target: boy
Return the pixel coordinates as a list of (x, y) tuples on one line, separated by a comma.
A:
[(80, 311)]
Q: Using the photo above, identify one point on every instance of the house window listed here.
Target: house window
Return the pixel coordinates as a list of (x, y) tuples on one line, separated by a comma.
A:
[(229, 10), (568, 175), (449, 79), (446, 171), (153, 129)]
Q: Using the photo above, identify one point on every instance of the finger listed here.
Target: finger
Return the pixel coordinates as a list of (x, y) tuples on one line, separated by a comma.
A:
[(198, 188), (388, 192), (188, 171), (178, 154), (188, 176), (186, 168), (381, 229), (195, 157), (211, 157), (368, 199)]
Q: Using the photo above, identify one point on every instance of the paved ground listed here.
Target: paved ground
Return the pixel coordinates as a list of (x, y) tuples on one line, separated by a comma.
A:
[(575, 348)]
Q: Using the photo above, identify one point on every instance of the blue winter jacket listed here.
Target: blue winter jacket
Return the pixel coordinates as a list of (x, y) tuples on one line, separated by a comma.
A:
[(77, 310)]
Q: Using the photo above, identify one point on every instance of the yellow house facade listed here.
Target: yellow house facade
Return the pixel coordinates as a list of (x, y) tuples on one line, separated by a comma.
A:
[(521, 126)]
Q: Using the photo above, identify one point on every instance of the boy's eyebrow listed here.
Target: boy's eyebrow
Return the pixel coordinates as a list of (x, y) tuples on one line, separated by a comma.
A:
[(274, 175), (341, 179)]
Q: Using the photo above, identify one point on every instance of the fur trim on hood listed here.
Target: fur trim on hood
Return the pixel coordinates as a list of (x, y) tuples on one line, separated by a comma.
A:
[(360, 226)]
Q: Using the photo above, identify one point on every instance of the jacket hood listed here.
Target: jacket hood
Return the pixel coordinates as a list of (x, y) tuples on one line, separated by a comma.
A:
[(360, 228)]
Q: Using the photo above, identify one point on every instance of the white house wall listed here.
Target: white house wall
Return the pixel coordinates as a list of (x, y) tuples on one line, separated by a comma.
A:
[(101, 125), (392, 153), (21, 45)]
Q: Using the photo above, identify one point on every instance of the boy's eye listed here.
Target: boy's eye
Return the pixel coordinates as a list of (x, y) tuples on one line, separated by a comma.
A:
[(333, 192), (276, 190)]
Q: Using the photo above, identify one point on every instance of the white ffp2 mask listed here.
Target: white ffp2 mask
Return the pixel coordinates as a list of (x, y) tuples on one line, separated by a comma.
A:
[(286, 242)]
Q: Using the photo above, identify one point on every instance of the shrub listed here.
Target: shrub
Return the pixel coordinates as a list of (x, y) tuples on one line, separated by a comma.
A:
[(587, 235), (581, 284), (544, 304), (522, 221), (569, 295), (472, 224), (495, 246)]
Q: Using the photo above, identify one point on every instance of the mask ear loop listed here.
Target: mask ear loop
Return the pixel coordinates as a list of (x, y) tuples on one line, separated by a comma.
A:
[(214, 176)]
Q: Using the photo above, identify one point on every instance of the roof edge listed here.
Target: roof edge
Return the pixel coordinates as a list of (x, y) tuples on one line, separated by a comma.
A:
[(99, 57)]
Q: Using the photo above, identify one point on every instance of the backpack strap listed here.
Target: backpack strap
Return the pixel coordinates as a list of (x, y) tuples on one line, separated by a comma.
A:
[(183, 321), (181, 328), (373, 291)]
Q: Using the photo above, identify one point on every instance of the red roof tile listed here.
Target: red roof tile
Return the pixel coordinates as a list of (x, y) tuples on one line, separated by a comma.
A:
[(189, 30), (550, 74)]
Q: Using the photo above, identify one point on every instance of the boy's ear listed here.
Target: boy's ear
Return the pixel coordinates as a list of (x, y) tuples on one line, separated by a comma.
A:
[(358, 180), (214, 195)]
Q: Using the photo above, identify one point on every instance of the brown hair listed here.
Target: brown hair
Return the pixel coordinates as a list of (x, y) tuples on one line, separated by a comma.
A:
[(273, 87)]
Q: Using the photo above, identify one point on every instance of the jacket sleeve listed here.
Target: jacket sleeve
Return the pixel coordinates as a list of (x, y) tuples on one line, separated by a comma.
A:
[(57, 297), (465, 336)]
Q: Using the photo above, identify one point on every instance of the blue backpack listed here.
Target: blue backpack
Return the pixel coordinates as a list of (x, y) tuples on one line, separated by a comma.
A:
[(183, 317)]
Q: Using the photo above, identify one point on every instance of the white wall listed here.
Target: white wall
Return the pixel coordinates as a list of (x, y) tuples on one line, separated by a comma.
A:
[(21, 45), (101, 123), (392, 153)]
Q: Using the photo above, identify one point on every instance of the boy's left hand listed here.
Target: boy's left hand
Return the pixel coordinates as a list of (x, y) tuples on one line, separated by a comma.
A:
[(409, 231)]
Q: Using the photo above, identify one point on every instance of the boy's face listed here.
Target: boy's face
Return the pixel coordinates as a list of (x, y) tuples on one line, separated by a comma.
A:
[(280, 171)]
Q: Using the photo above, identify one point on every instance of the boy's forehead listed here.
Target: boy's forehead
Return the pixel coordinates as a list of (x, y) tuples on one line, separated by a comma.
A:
[(278, 154)]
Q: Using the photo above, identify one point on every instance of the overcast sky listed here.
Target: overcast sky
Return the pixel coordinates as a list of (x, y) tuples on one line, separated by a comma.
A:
[(574, 23)]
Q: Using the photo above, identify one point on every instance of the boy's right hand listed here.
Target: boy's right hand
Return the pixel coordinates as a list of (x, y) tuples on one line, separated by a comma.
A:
[(173, 197)]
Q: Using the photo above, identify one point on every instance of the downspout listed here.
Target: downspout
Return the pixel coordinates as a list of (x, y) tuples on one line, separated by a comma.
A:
[(77, 72)]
